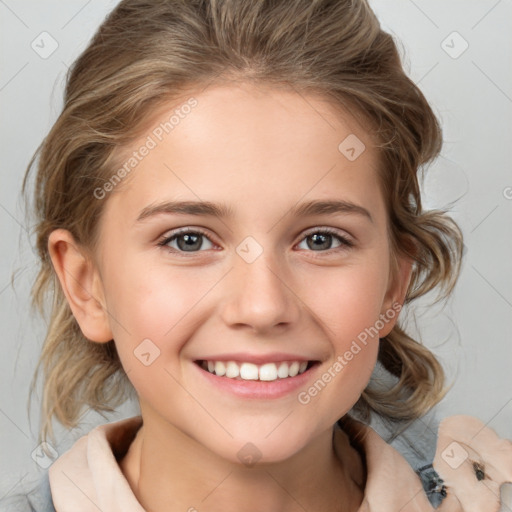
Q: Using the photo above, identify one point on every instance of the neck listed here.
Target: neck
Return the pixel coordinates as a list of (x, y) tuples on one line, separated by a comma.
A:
[(162, 467)]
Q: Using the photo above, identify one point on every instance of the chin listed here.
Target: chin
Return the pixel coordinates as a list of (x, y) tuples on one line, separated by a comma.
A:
[(258, 451)]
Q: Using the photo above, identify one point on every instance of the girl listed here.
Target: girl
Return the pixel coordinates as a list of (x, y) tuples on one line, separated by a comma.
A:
[(229, 224)]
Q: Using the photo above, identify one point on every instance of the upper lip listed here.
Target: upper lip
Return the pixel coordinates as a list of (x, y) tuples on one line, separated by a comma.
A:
[(275, 357)]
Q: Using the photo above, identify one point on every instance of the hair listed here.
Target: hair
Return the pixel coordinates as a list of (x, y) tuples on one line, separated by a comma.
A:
[(147, 53)]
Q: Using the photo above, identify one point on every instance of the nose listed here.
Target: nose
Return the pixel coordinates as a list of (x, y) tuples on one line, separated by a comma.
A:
[(259, 295)]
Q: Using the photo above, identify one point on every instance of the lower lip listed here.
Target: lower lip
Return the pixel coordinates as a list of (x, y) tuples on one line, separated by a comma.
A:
[(265, 390)]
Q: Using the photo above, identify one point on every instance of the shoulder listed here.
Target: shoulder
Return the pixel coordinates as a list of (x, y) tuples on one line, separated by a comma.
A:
[(473, 463), (463, 470), (36, 499), (89, 472)]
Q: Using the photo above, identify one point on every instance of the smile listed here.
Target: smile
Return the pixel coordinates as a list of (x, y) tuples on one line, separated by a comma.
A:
[(249, 371)]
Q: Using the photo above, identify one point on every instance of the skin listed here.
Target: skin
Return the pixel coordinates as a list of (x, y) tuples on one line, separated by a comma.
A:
[(261, 151)]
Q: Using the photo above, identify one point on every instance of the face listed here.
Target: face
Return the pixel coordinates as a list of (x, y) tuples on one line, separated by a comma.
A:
[(264, 285)]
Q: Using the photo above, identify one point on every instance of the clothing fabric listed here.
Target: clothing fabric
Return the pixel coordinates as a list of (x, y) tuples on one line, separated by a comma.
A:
[(37, 499), (470, 465)]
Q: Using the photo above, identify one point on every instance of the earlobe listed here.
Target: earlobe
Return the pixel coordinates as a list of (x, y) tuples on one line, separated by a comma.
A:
[(395, 296), (81, 284)]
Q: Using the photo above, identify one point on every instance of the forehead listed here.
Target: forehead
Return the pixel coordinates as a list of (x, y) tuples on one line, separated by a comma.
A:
[(248, 143)]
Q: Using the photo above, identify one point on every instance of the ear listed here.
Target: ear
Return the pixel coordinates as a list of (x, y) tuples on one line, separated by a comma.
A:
[(394, 299), (81, 284)]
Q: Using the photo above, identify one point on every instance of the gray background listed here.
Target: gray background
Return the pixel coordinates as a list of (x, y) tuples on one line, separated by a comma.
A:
[(470, 91)]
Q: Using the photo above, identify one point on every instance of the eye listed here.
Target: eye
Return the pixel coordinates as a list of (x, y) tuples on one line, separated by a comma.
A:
[(321, 240), (192, 240), (187, 240)]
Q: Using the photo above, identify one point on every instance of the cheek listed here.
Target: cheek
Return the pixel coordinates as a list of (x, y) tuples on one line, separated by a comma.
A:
[(153, 313), (347, 300), (144, 302), (347, 303), (150, 302)]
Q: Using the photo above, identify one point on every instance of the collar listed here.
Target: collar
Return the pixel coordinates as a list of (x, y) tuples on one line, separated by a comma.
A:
[(87, 477)]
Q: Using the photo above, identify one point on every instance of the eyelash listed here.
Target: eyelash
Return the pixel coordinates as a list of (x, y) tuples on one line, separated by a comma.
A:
[(345, 242)]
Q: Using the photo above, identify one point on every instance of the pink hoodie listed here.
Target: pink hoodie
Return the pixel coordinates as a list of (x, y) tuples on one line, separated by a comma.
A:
[(471, 460)]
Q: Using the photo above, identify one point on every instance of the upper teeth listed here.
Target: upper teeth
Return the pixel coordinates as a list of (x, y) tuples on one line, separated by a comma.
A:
[(250, 371)]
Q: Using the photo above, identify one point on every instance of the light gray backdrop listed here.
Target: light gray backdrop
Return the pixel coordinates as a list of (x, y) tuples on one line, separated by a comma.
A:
[(457, 51)]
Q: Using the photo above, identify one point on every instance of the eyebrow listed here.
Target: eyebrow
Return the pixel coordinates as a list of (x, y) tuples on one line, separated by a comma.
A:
[(223, 211)]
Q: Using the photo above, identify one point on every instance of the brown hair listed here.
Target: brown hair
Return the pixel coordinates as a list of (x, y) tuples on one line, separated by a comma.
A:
[(147, 53)]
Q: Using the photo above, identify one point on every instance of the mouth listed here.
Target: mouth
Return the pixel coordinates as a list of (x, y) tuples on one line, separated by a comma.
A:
[(266, 372)]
